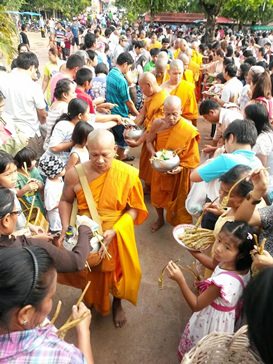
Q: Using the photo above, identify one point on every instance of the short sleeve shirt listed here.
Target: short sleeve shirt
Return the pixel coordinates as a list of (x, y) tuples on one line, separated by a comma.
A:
[(117, 92)]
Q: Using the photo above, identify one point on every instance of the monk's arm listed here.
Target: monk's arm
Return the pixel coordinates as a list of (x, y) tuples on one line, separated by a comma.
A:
[(68, 195), (133, 213), (151, 136)]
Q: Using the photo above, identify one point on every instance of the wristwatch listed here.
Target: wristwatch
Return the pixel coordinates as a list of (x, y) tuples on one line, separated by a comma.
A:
[(254, 201)]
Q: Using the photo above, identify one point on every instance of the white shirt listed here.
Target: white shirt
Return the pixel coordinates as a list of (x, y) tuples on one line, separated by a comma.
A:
[(54, 113), (226, 117), (23, 98), (232, 90), (52, 192)]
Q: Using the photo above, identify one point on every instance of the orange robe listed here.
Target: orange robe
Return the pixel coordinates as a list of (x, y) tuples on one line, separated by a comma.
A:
[(154, 110), (188, 76), (176, 53), (170, 191), (185, 91), (114, 191), (164, 78)]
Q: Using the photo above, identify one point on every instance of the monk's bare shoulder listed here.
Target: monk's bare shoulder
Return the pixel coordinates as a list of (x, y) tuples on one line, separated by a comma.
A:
[(71, 178)]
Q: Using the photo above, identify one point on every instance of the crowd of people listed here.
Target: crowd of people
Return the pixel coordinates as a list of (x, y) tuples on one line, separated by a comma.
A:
[(66, 177)]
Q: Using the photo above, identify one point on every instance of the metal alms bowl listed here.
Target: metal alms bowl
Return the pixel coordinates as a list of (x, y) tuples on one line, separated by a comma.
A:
[(167, 164), (135, 133)]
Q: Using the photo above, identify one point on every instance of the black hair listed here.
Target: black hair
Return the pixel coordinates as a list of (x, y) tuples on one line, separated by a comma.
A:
[(22, 282), (62, 86), (83, 74), (208, 105), (231, 70), (125, 57), (262, 51), (5, 160), (244, 131), (80, 132), (244, 233), (7, 200), (108, 32), (74, 61), (21, 45), (165, 40), (248, 53), (244, 68), (101, 68), (258, 308), (138, 44), (91, 54), (89, 40), (75, 107), (25, 155), (251, 60), (23, 27), (233, 175), (259, 114), (229, 52), (154, 52), (27, 59), (220, 77), (227, 61), (262, 64)]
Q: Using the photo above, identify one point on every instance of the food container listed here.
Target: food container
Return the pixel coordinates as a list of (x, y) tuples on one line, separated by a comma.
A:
[(134, 133), (165, 160)]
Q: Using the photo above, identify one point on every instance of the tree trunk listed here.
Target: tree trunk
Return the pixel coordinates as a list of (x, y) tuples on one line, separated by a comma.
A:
[(210, 27)]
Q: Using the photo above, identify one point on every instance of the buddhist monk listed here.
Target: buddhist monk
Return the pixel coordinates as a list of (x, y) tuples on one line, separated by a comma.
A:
[(188, 74), (183, 89), (169, 190), (118, 196), (152, 109)]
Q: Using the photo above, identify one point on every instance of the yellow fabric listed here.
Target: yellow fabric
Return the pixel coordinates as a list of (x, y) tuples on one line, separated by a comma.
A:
[(188, 76), (154, 110), (195, 68), (157, 44), (185, 91), (197, 57), (170, 191), (114, 192), (162, 79), (176, 53)]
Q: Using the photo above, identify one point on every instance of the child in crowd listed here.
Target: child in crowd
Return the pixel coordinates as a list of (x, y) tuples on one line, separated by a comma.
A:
[(53, 168), (29, 180), (8, 179), (79, 153), (99, 82), (27, 285), (215, 307)]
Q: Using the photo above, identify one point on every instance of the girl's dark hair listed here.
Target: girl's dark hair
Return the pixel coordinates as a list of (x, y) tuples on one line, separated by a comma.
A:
[(80, 132), (220, 76), (233, 175), (7, 201), (75, 107), (259, 114), (243, 232), (26, 155), (62, 86), (258, 308), (101, 68), (23, 279), (5, 160), (262, 85)]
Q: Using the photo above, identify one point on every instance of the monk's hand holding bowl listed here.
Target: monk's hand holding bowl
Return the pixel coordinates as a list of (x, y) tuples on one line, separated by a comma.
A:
[(176, 170), (108, 236)]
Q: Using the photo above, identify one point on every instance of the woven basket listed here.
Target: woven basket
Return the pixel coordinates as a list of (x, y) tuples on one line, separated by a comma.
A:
[(221, 348)]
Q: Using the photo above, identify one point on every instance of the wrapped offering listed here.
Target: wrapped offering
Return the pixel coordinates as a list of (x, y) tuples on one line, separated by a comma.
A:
[(165, 160)]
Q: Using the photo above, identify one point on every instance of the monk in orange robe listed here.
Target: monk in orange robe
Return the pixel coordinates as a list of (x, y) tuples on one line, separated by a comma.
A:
[(152, 110), (169, 190), (183, 89), (118, 195)]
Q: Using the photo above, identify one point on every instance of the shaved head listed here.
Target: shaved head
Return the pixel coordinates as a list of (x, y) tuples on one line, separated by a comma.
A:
[(100, 137), (148, 83), (184, 58), (177, 64), (163, 56), (147, 77), (172, 102)]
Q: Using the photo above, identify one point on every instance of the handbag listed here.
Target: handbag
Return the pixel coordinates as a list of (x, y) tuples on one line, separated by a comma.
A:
[(93, 258)]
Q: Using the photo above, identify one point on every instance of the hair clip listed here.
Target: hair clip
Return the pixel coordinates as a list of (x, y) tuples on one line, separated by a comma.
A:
[(249, 236)]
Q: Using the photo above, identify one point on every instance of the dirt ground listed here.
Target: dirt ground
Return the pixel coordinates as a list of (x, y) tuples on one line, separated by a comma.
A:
[(154, 326)]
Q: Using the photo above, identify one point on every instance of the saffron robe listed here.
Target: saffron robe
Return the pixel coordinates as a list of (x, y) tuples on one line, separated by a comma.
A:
[(185, 91), (154, 110), (114, 192), (170, 191)]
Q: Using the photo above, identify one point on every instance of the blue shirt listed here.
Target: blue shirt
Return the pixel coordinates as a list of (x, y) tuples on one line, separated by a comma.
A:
[(75, 31), (224, 162), (117, 92)]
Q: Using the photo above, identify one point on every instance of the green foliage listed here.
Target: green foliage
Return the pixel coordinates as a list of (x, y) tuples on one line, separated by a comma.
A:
[(7, 34)]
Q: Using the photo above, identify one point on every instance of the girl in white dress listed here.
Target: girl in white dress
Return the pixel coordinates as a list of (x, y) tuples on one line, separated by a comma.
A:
[(219, 298)]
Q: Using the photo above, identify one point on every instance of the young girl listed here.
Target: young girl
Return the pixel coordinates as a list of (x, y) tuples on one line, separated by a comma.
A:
[(79, 153), (8, 179), (29, 180), (215, 307), (28, 280), (60, 140)]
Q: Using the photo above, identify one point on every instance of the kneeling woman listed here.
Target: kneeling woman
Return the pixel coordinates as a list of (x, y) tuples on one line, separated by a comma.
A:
[(27, 284)]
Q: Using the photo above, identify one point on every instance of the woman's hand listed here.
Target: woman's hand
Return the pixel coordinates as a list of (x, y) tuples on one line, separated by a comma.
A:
[(37, 230), (174, 272), (33, 186), (261, 261), (77, 312), (260, 180)]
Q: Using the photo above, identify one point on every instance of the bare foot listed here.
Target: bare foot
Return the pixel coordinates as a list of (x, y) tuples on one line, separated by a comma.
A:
[(119, 316), (157, 225)]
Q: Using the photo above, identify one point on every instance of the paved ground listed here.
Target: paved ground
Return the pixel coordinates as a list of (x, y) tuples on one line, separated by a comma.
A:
[(154, 326)]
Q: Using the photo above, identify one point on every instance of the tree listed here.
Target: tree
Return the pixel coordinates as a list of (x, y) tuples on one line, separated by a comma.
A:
[(211, 9), (7, 34)]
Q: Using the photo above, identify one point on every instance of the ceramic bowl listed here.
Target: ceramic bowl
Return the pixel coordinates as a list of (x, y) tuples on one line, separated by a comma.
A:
[(134, 133), (166, 165)]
